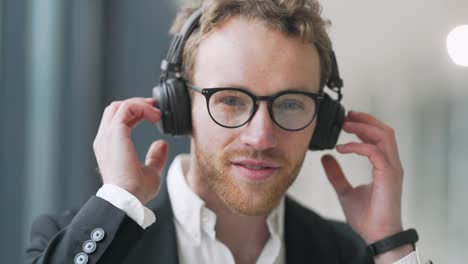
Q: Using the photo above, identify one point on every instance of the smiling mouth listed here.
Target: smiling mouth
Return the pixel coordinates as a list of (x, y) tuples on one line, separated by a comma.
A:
[(252, 170), (254, 167)]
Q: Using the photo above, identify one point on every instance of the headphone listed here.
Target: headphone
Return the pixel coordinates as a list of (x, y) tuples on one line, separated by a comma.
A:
[(173, 100)]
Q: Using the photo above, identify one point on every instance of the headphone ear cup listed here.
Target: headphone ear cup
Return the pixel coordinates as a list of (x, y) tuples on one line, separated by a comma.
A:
[(173, 101), (330, 119)]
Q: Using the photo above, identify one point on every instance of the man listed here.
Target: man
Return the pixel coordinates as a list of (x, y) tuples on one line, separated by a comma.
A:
[(255, 70)]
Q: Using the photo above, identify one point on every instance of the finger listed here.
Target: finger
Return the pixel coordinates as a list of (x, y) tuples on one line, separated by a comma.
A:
[(156, 156), (110, 111), (384, 139), (144, 100), (335, 175), (366, 118), (133, 111), (152, 102), (365, 132), (149, 100), (107, 115), (375, 156), (112, 108)]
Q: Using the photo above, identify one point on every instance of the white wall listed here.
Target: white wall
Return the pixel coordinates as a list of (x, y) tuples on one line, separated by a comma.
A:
[(393, 59)]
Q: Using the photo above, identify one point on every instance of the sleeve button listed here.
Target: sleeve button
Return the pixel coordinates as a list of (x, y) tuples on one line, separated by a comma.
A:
[(81, 258), (97, 234), (89, 246)]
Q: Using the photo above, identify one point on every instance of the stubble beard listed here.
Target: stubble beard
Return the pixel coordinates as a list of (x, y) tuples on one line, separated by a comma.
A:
[(253, 199)]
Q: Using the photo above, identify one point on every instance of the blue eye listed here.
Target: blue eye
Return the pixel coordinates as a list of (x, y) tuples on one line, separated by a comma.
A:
[(232, 101), (290, 105)]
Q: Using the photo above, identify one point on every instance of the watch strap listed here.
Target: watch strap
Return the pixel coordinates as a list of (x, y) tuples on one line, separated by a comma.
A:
[(409, 236)]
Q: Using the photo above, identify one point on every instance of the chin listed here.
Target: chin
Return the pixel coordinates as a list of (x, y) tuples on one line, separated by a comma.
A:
[(247, 199), (251, 206), (247, 192)]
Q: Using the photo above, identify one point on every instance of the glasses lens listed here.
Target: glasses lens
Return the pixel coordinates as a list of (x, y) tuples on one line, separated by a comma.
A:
[(293, 111), (230, 108)]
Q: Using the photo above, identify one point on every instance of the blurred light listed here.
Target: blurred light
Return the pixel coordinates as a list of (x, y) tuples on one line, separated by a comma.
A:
[(457, 45)]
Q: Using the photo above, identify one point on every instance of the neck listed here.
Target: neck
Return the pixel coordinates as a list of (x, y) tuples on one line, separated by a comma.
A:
[(244, 235)]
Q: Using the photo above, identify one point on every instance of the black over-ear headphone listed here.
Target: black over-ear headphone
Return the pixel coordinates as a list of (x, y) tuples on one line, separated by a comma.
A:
[(172, 96)]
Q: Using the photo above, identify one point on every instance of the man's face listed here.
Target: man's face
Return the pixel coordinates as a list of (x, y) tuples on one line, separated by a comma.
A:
[(250, 168)]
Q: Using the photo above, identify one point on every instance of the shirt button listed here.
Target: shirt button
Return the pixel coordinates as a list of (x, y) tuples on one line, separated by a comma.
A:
[(81, 258), (89, 246), (98, 234)]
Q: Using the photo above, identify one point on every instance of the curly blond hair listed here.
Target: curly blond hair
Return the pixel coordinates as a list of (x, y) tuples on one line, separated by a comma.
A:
[(297, 18)]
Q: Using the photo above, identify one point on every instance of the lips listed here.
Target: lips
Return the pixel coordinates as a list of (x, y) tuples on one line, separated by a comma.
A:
[(254, 170)]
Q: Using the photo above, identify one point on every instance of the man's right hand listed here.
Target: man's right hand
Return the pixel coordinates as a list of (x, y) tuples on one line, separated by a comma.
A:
[(115, 152)]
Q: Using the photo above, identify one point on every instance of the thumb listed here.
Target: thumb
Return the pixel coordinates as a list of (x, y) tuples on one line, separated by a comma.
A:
[(156, 156), (335, 174)]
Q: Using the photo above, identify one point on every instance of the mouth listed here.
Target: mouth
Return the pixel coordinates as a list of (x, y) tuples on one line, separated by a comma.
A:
[(254, 170)]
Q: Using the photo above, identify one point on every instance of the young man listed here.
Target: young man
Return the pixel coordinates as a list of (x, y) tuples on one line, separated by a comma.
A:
[(255, 70)]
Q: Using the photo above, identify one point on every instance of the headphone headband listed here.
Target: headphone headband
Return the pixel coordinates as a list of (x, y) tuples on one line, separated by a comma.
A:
[(173, 61), (335, 83)]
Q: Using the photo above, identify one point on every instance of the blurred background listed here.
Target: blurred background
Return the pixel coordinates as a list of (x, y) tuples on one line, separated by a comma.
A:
[(63, 62)]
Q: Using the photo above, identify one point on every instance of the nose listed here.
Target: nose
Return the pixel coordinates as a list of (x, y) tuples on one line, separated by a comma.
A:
[(259, 132)]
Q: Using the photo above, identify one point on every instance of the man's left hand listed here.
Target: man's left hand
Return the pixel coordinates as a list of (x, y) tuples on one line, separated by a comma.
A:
[(373, 210)]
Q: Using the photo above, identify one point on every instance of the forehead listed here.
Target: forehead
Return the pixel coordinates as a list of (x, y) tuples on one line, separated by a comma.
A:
[(246, 53)]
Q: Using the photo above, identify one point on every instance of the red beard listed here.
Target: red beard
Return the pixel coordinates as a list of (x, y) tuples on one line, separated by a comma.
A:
[(244, 197)]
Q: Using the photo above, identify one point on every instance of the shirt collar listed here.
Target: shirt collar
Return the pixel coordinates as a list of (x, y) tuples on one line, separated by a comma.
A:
[(191, 212)]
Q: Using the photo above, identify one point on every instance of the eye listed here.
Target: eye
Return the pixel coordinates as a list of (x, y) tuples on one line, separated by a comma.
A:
[(289, 105), (231, 101)]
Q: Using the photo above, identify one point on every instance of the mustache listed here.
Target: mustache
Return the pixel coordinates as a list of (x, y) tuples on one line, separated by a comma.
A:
[(262, 155)]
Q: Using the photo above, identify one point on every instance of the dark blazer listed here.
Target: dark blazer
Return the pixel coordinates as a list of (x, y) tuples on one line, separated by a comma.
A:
[(58, 239)]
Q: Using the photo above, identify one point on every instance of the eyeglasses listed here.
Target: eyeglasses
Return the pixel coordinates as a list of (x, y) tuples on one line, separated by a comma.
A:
[(234, 107)]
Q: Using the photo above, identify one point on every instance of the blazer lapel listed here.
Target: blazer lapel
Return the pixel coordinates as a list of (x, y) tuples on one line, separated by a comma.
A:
[(306, 237)]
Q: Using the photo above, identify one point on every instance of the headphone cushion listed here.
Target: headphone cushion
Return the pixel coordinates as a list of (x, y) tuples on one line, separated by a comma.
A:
[(330, 121), (173, 100)]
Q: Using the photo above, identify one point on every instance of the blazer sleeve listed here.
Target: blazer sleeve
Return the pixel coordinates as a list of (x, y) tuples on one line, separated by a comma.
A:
[(97, 233)]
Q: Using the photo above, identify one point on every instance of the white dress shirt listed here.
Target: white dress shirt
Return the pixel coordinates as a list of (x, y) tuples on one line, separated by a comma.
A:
[(195, 223)]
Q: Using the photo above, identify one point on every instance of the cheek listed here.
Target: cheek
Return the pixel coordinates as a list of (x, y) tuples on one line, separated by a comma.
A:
[(205, 131), (297, 142)]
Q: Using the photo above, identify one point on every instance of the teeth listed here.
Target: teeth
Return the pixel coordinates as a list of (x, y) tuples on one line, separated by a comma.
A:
[(254, 167)]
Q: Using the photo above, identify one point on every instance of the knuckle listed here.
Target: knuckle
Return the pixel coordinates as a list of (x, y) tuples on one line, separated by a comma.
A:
[(126, 105), (95, 147), (115, 103), (96, 143), (401, 171), (112, 106), (372, 149)]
